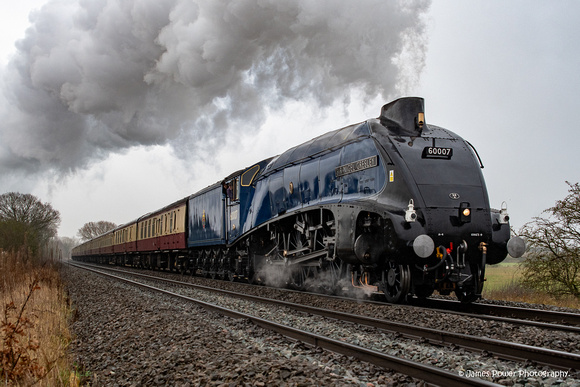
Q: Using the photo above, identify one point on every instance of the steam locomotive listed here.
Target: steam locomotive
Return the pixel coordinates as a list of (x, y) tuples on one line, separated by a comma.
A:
[(391, 205)]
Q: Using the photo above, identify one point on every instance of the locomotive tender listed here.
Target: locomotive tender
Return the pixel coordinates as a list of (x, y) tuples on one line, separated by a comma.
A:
[(389, 205)]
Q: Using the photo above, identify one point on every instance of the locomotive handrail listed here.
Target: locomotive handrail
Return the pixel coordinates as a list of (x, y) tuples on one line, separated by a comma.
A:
[(477, 154)]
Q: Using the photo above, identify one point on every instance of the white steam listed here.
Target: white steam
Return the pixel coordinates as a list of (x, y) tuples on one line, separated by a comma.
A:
[(92, 77)]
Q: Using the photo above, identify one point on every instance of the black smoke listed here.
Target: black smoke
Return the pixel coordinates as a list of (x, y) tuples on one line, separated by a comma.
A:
[(92, 77)]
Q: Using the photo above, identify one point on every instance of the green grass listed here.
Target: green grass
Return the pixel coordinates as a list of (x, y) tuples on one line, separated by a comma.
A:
[(503, 283), (498, 276)]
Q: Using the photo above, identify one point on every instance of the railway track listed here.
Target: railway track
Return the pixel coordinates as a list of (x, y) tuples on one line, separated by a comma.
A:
[(544, 319), (555, 319), (501, 349), (425, 372)]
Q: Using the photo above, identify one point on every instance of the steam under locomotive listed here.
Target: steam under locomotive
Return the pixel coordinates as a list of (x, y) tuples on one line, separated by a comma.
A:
[(391, 205)]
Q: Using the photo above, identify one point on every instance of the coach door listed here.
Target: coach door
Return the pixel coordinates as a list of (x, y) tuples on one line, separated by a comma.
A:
[(232, 192)]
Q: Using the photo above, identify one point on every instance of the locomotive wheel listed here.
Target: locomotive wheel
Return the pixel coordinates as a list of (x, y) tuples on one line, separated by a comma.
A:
[(220, 265), (334, 275), (467, 295), (252, 270), (397, 282), (481, 278), (423, 291), (299, 276)]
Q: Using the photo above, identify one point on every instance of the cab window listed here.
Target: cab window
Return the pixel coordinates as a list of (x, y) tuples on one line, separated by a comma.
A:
[(232, 189)]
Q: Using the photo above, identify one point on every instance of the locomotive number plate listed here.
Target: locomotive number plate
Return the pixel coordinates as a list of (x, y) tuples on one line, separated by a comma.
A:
[(433, 152)]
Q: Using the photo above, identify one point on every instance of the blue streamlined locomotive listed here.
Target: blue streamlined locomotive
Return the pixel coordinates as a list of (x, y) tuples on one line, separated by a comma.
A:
[(389, 205)]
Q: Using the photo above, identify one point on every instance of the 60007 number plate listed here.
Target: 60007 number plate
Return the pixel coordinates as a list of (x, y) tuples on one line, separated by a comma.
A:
[(433, 152)]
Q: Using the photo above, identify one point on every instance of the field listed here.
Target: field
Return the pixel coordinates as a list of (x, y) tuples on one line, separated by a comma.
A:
[(498, 276), (502, 283)]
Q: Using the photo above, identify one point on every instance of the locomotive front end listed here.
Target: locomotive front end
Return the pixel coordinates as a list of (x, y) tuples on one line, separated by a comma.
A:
[(446, 229)]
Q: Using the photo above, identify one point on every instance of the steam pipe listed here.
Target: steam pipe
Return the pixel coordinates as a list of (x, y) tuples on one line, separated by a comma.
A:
[(483, 248), (443, 258)]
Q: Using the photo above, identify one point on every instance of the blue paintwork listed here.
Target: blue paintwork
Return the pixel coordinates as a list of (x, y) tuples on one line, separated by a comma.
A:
[(206, 211), (310, 168)]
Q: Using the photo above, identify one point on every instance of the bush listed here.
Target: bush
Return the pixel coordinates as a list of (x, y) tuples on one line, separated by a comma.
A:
[(552, 263)]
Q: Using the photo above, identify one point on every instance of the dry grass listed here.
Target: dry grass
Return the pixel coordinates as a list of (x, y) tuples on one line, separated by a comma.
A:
[(34, 323), (503, 283)]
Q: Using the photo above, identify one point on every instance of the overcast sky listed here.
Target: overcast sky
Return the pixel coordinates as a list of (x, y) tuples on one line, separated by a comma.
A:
[(111, 109)]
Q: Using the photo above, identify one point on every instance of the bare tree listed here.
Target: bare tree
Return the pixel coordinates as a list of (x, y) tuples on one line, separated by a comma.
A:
[(66, 245), (553, 262), (25, 220), (94, 229)]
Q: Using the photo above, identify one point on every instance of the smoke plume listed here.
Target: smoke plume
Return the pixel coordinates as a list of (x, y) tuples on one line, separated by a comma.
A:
[(100, 76)]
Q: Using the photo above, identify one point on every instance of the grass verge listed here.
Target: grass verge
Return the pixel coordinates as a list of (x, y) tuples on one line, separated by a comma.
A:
[(34, 331)]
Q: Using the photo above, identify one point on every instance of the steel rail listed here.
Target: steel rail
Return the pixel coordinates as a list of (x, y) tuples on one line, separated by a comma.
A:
[(550, 316), (425, 372), (502, 349), (539, 318)]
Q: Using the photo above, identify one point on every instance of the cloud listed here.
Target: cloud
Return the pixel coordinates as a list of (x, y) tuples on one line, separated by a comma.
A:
[(101, 76)]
